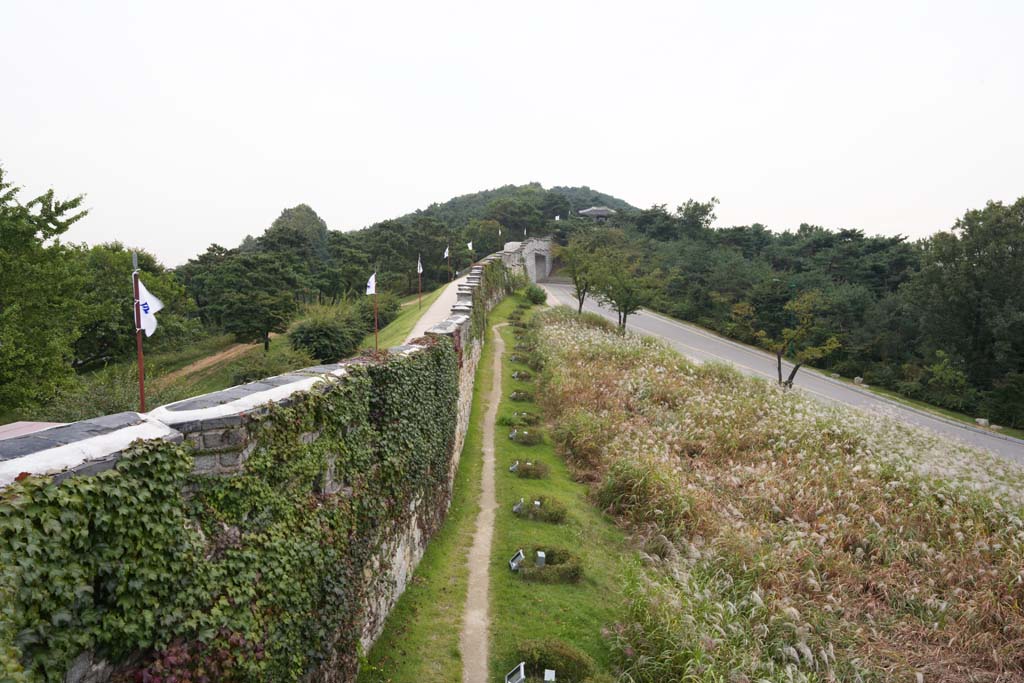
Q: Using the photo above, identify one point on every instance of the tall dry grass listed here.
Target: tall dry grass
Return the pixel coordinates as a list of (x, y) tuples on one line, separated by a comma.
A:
[(783, 539)]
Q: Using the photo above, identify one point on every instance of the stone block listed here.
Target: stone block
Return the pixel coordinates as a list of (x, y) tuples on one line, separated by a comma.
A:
[(205, 464), (220, 439)]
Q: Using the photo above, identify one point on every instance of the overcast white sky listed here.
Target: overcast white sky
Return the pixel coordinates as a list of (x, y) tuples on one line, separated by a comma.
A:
[(187, 123)]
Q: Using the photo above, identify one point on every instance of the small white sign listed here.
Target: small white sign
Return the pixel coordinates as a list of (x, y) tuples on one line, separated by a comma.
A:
[(516, 560), (516, 675), (549, 674)]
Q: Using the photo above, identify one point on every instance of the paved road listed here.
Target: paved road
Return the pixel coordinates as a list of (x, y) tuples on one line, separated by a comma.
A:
[(700, 345)]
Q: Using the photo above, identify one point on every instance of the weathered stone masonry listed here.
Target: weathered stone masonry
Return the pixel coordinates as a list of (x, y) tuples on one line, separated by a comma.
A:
[(217, 427)]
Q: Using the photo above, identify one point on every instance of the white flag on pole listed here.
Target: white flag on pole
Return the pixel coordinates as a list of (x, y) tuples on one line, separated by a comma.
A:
[(371, 284), (558, 218), (499, 230), (445, 253), (149, 305), (419, 265), (469, 245)]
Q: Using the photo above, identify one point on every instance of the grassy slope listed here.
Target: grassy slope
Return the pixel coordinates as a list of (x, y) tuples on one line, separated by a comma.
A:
[(219, 376), (521, 610), (398, 329), (420, 641)]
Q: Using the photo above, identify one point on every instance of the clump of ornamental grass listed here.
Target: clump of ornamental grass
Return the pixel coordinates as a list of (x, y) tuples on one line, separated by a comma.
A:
[(560, 566), (522, 376), (532, 470), (521, 396), (526, 437), (519, 418), (570, 664), (783, 539), (542, 509)]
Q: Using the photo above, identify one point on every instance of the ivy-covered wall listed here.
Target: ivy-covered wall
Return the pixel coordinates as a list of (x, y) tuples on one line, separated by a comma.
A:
[(263, 575), (262, 533)]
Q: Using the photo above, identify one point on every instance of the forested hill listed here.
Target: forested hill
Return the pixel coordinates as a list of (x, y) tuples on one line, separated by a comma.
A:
[(940, 319), (458, 212)]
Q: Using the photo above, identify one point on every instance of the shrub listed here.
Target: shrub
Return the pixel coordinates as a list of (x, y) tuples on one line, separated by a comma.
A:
[(519, 419), (522, 376), (388, 308), (525, 437), (570, 664), (113, 389), (327, 339), (258, 365), (532, 470), (560, 566), (536, 295), (521, 396), (550, 510)]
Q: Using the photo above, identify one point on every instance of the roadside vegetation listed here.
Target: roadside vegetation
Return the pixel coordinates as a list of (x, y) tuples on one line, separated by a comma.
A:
[(781, 539), (937, 320)]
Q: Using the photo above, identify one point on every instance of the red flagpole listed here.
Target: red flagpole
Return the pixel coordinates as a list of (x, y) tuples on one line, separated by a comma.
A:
[(449, 267), (138, 338), (376, 340)]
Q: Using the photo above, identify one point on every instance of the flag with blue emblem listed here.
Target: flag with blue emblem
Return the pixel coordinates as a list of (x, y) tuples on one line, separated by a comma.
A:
[(149, 305)]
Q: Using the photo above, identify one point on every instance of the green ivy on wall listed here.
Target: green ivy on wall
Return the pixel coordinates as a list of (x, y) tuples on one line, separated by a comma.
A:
[(494, 284), (254, 577)]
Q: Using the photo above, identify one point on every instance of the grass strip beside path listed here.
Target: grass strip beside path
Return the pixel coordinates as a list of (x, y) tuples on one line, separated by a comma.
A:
[(420, 641), (520, 610)]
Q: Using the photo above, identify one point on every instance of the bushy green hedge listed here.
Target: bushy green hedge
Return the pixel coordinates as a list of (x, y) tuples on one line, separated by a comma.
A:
[(331, 333), (328, 340), (265, 566), (536, 295), (532, 470), (570, 664), (560, 566), (550, 510)]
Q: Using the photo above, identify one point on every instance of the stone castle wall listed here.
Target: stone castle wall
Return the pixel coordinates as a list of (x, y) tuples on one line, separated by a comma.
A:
[(220, 430)]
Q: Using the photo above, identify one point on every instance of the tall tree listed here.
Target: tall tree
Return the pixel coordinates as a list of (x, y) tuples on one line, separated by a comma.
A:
[(800, 341), (39, 296), (577, 257), (257, 297), (619, 282)]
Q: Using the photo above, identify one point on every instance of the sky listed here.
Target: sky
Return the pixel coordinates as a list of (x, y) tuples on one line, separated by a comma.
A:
[(188, 123)]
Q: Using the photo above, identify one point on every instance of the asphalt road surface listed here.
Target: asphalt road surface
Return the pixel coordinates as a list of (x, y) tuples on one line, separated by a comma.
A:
[(701, 345)]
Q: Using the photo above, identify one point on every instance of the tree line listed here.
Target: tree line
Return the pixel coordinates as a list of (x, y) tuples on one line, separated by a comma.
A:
[(939, 319), (67, 308)]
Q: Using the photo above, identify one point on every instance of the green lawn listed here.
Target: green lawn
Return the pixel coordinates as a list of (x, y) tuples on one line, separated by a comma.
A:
[(395, 332), (420, 641), (521, 610)]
